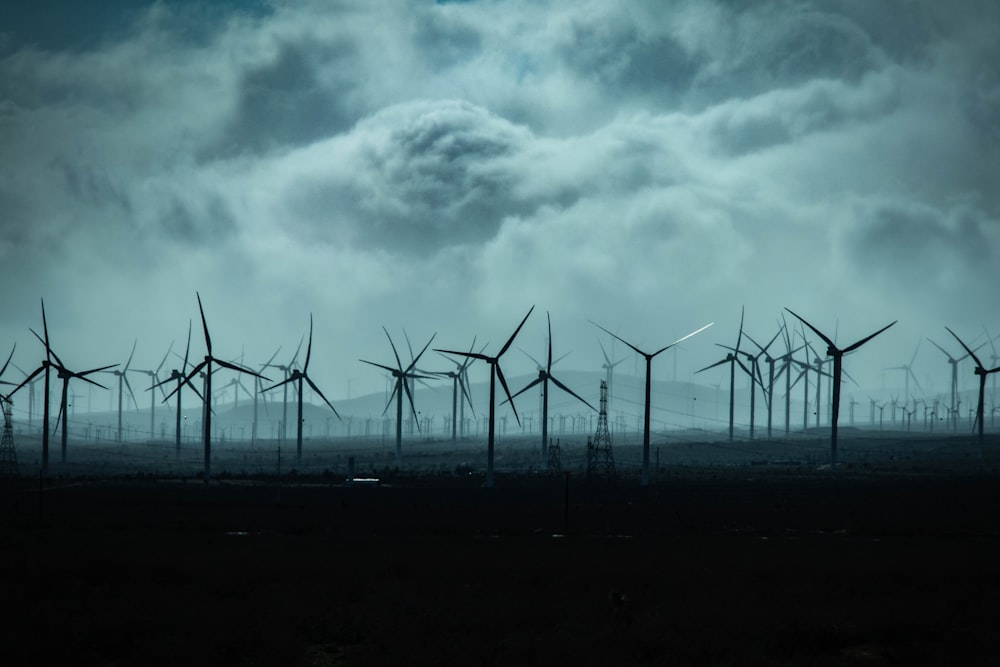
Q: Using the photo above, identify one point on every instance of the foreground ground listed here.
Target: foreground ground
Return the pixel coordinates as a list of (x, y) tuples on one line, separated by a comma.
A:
[(746, 565)]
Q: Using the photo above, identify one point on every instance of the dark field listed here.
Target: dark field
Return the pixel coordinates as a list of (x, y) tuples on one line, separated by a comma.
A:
[(753, 564)]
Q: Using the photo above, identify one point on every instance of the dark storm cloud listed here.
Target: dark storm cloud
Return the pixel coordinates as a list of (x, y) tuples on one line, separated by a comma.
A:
[(416, 178), (286, 102), (919, 247)]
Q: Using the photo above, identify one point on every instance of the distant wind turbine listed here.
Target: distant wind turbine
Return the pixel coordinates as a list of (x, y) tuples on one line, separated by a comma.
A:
[(300, 376), (982, 372), (495, 371), (649, 362), (206, 365), (838, 357), (544, 376)]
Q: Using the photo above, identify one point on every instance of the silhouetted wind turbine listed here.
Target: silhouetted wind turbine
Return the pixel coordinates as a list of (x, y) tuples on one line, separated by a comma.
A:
[(66, 375), (838, 356), (770, 361), (495, 371), (178, 377), (982, 372), (402, 386), (459, 379), (43, 368), (732, 358), (908, 373), (122, 378), (300, 376), (154, 380), (609, 367), (258, 387), (206, 364), (953, 411), (649, 362), (544, 375), (287, 370)]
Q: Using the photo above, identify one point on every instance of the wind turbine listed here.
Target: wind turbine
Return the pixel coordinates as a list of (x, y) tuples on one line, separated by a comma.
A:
[(402, 386), (66, 375), (838, 358), (732, 358), (178, 377), (154, 380), (495, 371), (769, 390), (982, 372), (206, 364), (45, 367), (123, 379), (609, 367), (257, 389), (649, 362), (459, 379), (908, 373), (953, 411), (300, 376), (544, 375), (287, 370)]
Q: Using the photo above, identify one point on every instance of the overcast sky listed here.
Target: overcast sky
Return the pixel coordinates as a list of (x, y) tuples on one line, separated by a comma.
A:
[(442, 167)]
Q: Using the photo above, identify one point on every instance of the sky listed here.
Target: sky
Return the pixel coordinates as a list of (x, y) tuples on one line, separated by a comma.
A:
[(443, 167)]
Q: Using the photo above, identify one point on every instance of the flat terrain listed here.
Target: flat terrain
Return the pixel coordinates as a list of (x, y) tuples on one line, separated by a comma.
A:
[(891, 562)]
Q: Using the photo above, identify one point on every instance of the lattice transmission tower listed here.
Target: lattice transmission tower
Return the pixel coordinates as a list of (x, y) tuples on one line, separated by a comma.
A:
[(8, 455), (600, 458)]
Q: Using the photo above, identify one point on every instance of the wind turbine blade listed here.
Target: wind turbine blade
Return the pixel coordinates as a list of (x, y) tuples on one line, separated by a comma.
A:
[(130, 355), (526, 388), (820, 333), (130, 392), (971, 353), (399, 364), (204, 324), (548, 318), (717, 363), (309, 347), (417, 358), (739, 338), (93, 370), (45, 329), (607, 359), (917, 349), (49, 354), (503, 383), (558, 359), (638, 351), (271, 359), (471, 355), (297, 350), (572, 393), (163, 361), (26, 380), (238, 369), (96, 384), (915, 380), (316, 389), (187, 349), (537, 363), (771, 342), (950, 358), (409, 396), (684, 338), (387, 368), (511, 340), (9, 357), (465, 393), (278, 384), (851, 348), (58, 417)]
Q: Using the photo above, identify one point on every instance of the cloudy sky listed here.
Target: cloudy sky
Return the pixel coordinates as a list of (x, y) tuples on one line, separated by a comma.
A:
[(443, 167)]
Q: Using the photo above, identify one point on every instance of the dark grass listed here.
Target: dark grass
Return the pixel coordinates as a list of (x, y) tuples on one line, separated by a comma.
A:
[(708, 568)]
